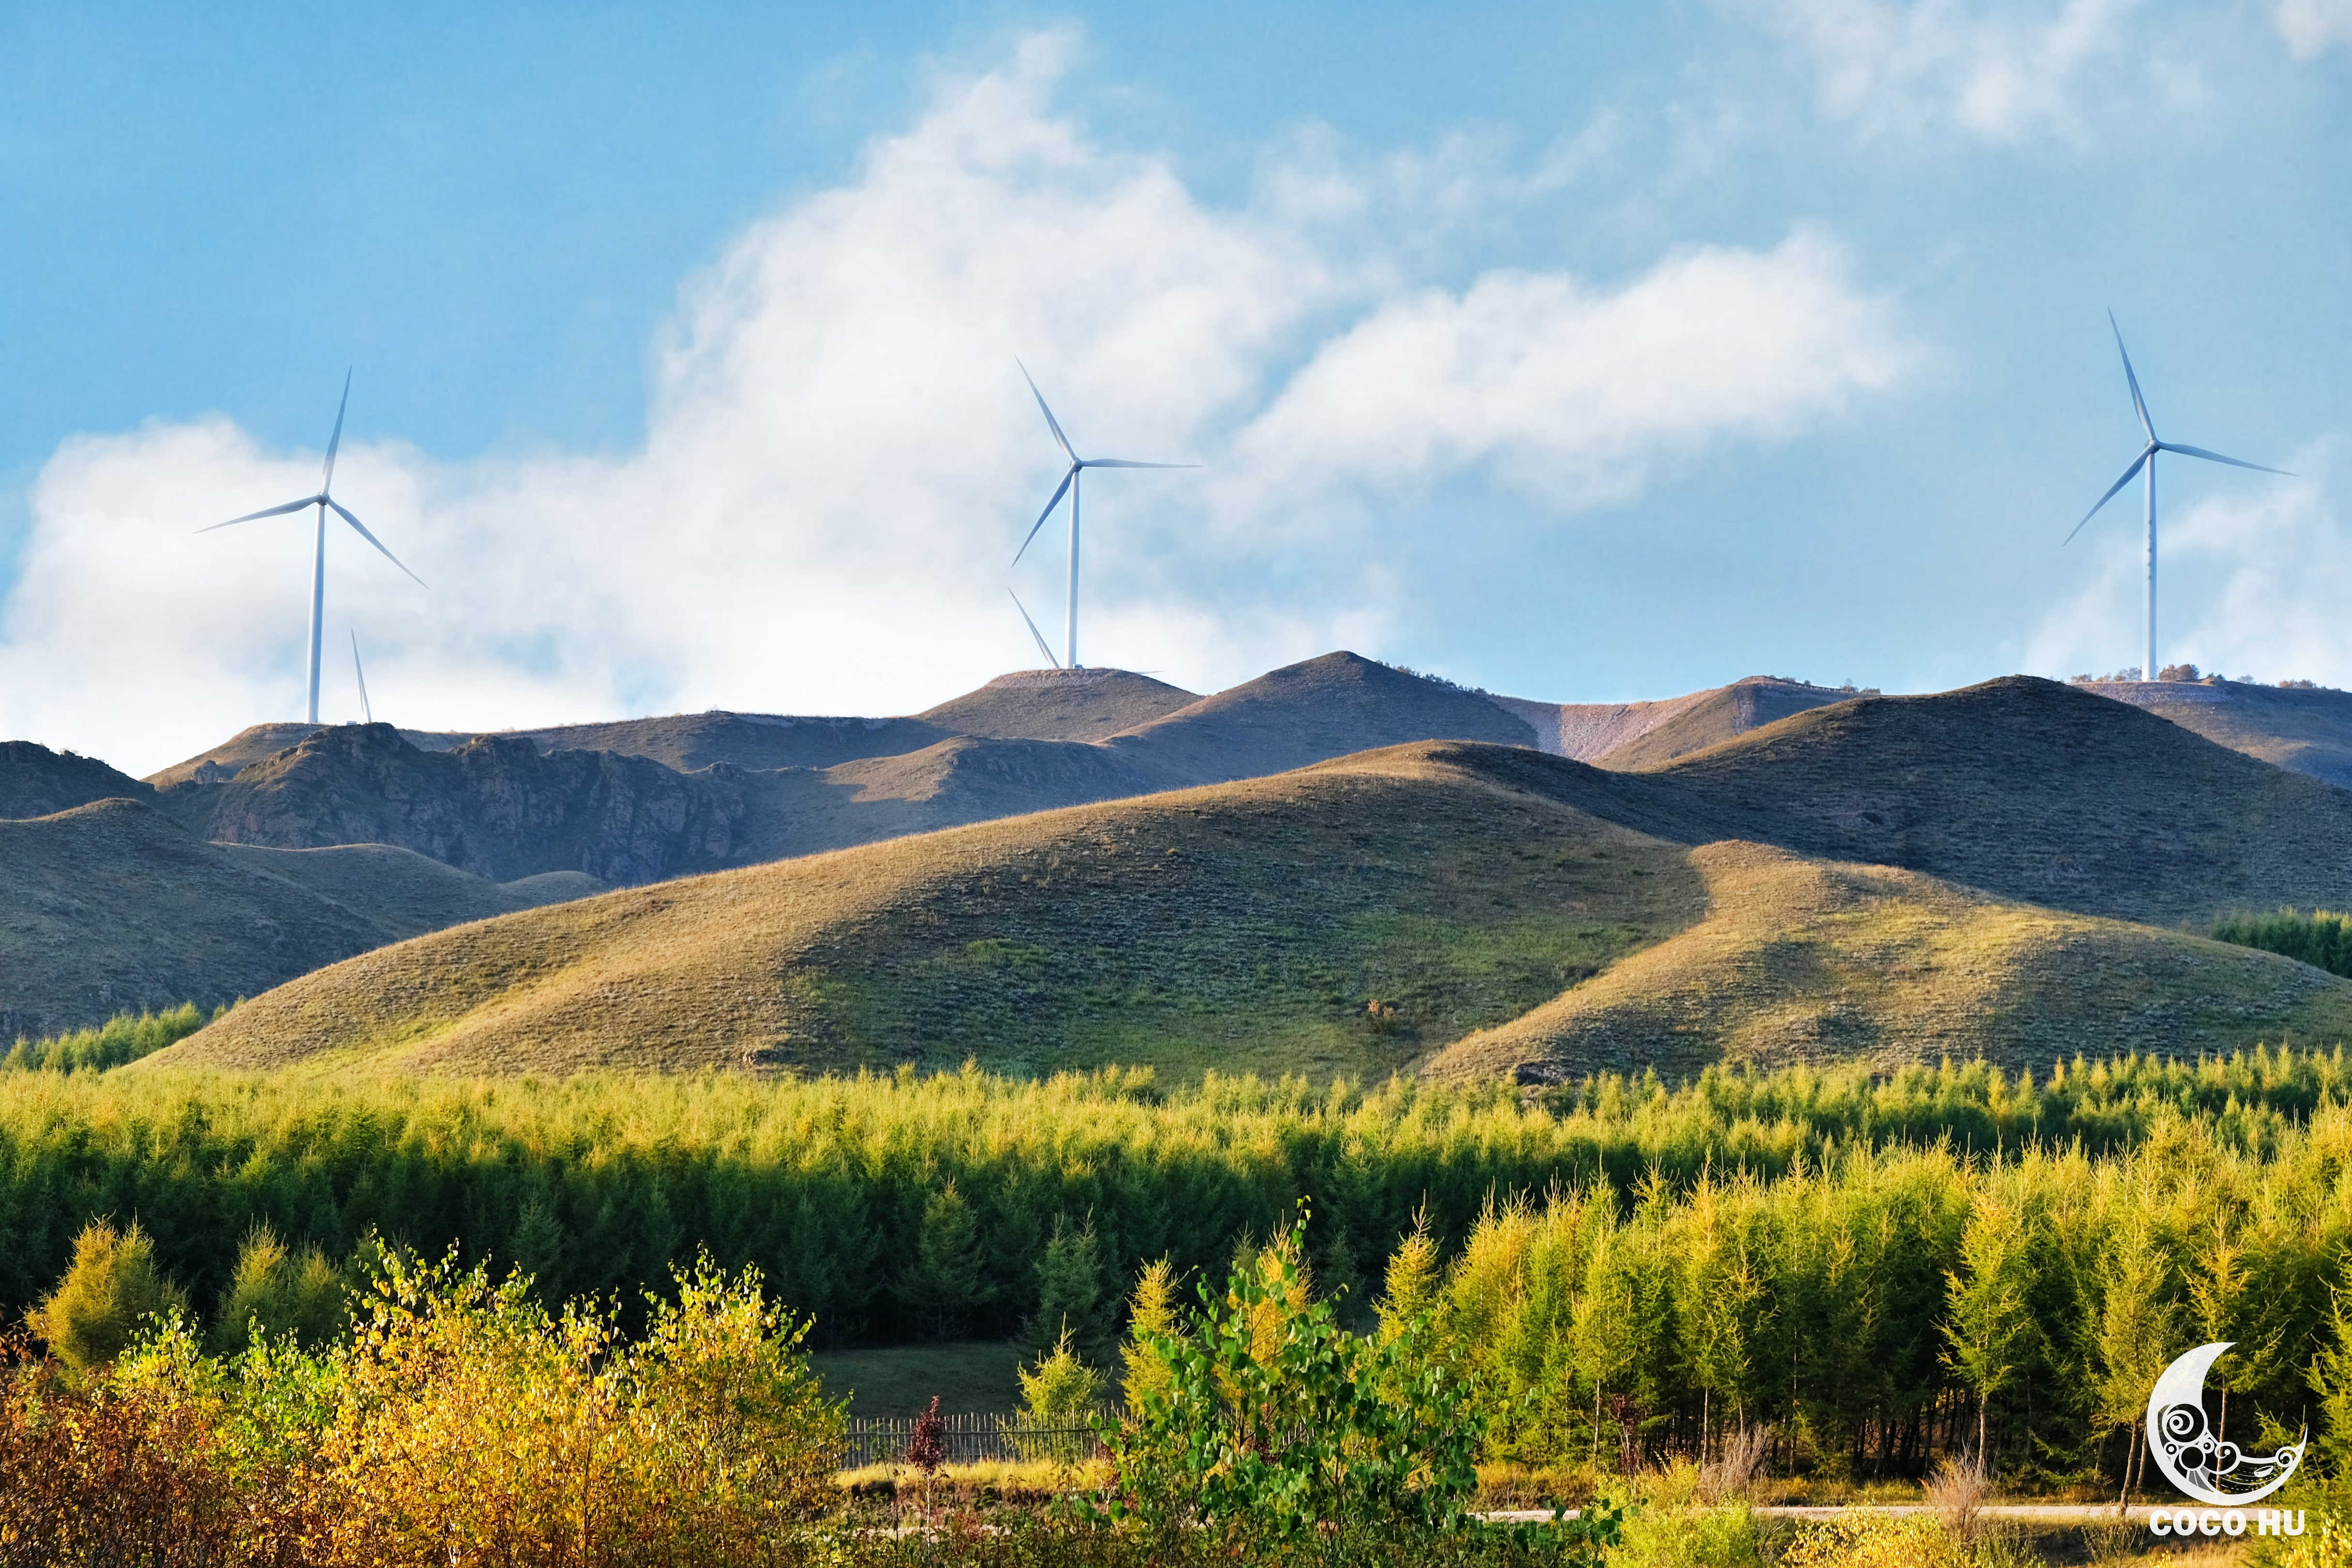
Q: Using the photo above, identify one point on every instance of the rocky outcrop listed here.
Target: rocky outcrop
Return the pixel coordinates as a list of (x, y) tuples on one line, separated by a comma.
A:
[(495, 805)]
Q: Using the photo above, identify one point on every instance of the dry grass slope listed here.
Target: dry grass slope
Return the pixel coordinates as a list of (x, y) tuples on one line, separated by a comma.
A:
[(114, 906), (2029, 789), (1238, 927), (1059, 705), (2305, 732), (1717, 716), (1803, 959)]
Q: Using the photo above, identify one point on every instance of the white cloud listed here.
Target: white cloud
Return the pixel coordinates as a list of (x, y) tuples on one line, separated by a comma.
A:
[(840, 455), (1567, 394), (2251, 580), (2000, 71), (2311, 26)]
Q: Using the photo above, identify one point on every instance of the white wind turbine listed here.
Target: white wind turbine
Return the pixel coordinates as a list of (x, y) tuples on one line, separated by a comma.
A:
[(325, 504), (2146, 461), (1070, 483)]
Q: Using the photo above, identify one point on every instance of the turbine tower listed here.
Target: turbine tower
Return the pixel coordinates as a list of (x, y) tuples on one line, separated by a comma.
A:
[(2147, 460), (1069, 484), (325, 504)]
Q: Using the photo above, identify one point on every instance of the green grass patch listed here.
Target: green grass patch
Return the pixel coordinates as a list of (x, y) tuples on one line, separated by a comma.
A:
[(968, 1377)]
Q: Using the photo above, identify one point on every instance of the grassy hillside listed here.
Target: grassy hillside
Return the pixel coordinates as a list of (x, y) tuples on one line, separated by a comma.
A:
[(38, 782), (2031, 790), (1717, 716), (2307, 731), (1542, 913), (1248, 925), (113, 905), (1801, 960), (1635, 735)]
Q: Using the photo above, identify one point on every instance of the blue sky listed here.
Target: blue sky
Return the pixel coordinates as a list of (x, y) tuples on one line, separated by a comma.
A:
[(1583, 352)]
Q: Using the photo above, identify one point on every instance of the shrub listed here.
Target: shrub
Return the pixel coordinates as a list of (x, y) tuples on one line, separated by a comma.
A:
[(473, 1424), (1876, 1540), (1276, 1426), (112, 1285)]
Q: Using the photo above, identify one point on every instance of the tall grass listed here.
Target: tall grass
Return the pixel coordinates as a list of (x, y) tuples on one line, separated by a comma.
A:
[(2322, 939)]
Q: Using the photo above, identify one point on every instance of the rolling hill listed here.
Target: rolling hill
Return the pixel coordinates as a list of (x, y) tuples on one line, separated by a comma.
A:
[(1883, 876), (502, 806), (2306, 731), (1801, 960), (1247, 924), (1635, 735), (2028, 789), (37, 781), (113, 905)]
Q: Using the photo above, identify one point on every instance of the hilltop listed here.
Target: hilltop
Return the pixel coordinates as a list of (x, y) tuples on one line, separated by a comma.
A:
[(1637, 735), (505, 805), (112, 906), (1883, 876), (37, 781)]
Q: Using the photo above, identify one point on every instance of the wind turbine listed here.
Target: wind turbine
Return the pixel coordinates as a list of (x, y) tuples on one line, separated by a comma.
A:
[(366, 708), (1078, 465), (1036, 636), (2147, 460), (325, 504)]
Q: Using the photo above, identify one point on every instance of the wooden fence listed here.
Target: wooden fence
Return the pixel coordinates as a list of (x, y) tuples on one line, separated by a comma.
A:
[(969, 1439)]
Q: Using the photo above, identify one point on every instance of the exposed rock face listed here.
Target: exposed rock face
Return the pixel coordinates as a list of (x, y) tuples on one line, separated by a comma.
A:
[(37, 781), (495, 805)]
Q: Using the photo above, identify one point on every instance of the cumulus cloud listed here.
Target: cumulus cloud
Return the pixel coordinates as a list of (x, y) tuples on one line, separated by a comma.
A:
[(2250, 582), (2311, 26), (840, 456), (1565, 392), (2001, 72)]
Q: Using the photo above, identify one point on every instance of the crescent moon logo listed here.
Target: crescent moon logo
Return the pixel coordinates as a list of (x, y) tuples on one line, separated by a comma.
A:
[(2192, 1456)]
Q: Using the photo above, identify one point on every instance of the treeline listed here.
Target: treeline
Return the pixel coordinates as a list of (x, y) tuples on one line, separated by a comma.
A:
[(2322, 939), (893, 1207), (120, 1040), (1892, 1306)]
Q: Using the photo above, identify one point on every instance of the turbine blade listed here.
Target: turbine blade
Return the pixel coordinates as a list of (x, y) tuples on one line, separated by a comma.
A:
[(1050, 423), (2217, 458), (1123, 463), (366, 708), (327, 478), (1035, 635), (2139, 403), (2137, 463), (372, 539), (273, 511), (1042, 516)]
